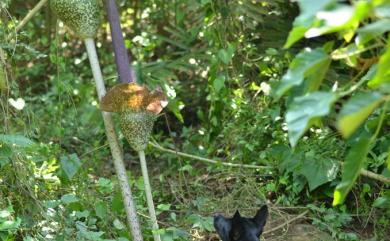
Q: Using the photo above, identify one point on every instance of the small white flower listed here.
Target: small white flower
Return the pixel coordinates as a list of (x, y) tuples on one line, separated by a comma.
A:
[(17, 104), (266, 88), (192, 61)]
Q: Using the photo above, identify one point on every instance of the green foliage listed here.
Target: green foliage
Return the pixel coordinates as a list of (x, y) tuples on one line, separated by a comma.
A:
[(8, 223), (309, 64), (305, 111), (70, 165), (356, 111), (320, 20), (218, 62), (354, 162), (382, 75)]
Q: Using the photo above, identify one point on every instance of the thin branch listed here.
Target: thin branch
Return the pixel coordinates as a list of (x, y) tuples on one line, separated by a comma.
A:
[(29, 16), (374, 176), (286, 223), (157, 146)]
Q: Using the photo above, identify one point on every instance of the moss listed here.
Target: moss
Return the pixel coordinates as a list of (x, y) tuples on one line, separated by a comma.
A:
[(82, 16)]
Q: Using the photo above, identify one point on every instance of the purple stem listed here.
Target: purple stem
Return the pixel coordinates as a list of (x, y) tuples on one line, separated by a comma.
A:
[(125, 72)]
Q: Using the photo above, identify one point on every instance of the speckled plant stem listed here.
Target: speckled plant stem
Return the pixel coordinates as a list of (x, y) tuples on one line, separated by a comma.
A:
[(122, 60), (114, 145), (149, 197), (126, 75)]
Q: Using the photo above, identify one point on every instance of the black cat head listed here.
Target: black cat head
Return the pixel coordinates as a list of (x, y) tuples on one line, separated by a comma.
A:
[(240, 228)]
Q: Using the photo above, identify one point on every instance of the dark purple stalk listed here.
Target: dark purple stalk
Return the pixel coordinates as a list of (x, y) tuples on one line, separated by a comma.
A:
[(125, 72)]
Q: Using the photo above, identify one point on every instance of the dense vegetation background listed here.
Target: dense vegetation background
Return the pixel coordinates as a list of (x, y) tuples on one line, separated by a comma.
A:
[(298, 92)]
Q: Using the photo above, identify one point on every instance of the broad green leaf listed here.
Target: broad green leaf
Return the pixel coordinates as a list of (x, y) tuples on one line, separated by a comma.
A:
[(319, 171), (117, 203), (226, 55), (105, 185), (339, 18), (91, 235), (82, 214), (306, 64), (383, 201), (314, 80), (351, 169), (372, 31), (345, 52), (69, 198), (16, 140), (382, 8), (118, 224), (356, 111), (305, 110), (4, 214), (10, 224), (305, 20), (331, 20), (70, 165), (175, 106), (101, 210), (164, 207), (219, 83), (5, 154), (383, 70)]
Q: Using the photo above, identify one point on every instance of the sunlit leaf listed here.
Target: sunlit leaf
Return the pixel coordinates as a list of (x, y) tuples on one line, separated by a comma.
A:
[(70, 165), (346, 52), (356, 111), (331, 20), (354, 162), (305, 20), (308, 63), (319, 171), (16, 140), (69, 198), (164, 207), (373, 30), (383, 71), (118, 224), (341, 17), (305, 110), (10, 224), (219, 83), (4, 214)]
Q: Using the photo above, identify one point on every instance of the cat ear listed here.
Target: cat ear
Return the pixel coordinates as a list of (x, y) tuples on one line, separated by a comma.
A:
[(223, 226), (261, 218), (237, 215)]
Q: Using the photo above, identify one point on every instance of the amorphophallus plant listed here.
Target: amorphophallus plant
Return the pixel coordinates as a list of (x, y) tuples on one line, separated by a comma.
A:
[(83, 17), (138, 108)]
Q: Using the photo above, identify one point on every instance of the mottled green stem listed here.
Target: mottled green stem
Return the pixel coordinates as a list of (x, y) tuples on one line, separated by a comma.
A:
[(149, 196), (114, 145)]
